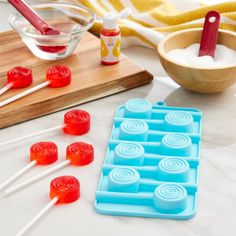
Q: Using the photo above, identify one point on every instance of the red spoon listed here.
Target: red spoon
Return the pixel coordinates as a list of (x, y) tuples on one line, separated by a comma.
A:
[(209, 34), (33, 17)]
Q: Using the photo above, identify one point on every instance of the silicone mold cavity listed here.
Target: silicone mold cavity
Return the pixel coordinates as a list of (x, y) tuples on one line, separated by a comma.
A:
[(152, 161), (123, 179), (180, 121), (176, 144), (133, 130), (138, 107), (170, 198), (173, 169), (129, 153)]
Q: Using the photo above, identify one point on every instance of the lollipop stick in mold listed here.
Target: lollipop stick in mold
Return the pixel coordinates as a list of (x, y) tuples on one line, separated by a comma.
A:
[(64, 189), (17, 77), (76, 122), (42, 153), (56, 76), (77, 154), (209, 34)]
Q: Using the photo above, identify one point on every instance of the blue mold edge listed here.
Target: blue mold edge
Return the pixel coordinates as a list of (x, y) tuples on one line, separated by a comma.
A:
[(114, 209), (102, 209)]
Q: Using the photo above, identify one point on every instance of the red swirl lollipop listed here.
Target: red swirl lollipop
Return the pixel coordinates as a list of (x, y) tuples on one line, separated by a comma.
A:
[(65, 188), (56, 77), (77, 154), (77, 122), (42, 153), (18, 77), (80, 153)]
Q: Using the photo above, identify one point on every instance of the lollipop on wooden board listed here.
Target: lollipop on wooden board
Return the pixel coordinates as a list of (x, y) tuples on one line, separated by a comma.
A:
[(63, 190), (56, 77), (77, 154), (41, 153), (17, 77), (76, 122)]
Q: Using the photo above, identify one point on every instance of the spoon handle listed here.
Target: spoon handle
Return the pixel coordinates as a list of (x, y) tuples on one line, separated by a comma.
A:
[(31, 16), (209, 34)]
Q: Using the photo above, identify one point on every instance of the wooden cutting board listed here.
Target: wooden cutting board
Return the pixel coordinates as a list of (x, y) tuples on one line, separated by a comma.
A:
[(90, 79)]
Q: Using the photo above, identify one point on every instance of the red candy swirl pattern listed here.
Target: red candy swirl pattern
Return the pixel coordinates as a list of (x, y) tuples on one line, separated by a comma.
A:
[(77, 122), (59, 76), (44, 153), (80, 153), (20, 77), (65, 188)]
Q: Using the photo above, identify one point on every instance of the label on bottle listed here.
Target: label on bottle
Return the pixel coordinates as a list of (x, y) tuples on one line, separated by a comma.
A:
[(110, 48)]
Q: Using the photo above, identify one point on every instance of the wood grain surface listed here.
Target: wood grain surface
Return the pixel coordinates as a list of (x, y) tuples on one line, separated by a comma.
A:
[(90, 79)]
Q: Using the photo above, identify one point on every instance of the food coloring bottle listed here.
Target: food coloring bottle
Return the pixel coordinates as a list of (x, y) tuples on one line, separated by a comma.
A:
[(110, 37)]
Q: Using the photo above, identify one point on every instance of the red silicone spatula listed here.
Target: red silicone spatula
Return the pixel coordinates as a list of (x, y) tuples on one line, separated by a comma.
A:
[(209, 34), (33, 17)]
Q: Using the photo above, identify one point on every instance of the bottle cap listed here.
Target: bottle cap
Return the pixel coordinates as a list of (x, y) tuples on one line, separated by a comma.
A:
[(110, 20)]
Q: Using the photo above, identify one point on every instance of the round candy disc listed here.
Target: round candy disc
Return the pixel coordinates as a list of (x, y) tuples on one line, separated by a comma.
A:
[(44, 153), (66, 188), (80, 153), (59, 76), (77, 122), (20, 77)]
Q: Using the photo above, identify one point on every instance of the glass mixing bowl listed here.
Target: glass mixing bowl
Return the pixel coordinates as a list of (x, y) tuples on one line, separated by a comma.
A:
[(72, 20)]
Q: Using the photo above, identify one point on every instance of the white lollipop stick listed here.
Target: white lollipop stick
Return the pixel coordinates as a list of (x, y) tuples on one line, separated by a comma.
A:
[(42, 153), (6, 88), (25, 93), (36, 178), (31, 135), (57, 76), (76, 122), (17, 174), (63, 189), (37, 217)]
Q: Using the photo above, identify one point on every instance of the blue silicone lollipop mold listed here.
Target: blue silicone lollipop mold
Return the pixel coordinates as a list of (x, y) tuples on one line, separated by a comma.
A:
[(151, 165)]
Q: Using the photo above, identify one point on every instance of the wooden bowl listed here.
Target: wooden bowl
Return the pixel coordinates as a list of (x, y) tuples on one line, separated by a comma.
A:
[(201, 80)]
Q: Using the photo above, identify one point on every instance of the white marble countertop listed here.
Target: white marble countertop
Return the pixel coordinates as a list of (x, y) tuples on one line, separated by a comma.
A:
[(217, 186)]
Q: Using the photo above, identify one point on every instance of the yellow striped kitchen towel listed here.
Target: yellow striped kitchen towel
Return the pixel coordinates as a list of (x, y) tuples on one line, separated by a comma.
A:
[(151, 20)]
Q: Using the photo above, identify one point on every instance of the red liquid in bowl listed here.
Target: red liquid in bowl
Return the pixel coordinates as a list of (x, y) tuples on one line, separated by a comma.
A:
[(52, 49), (63, 27)]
